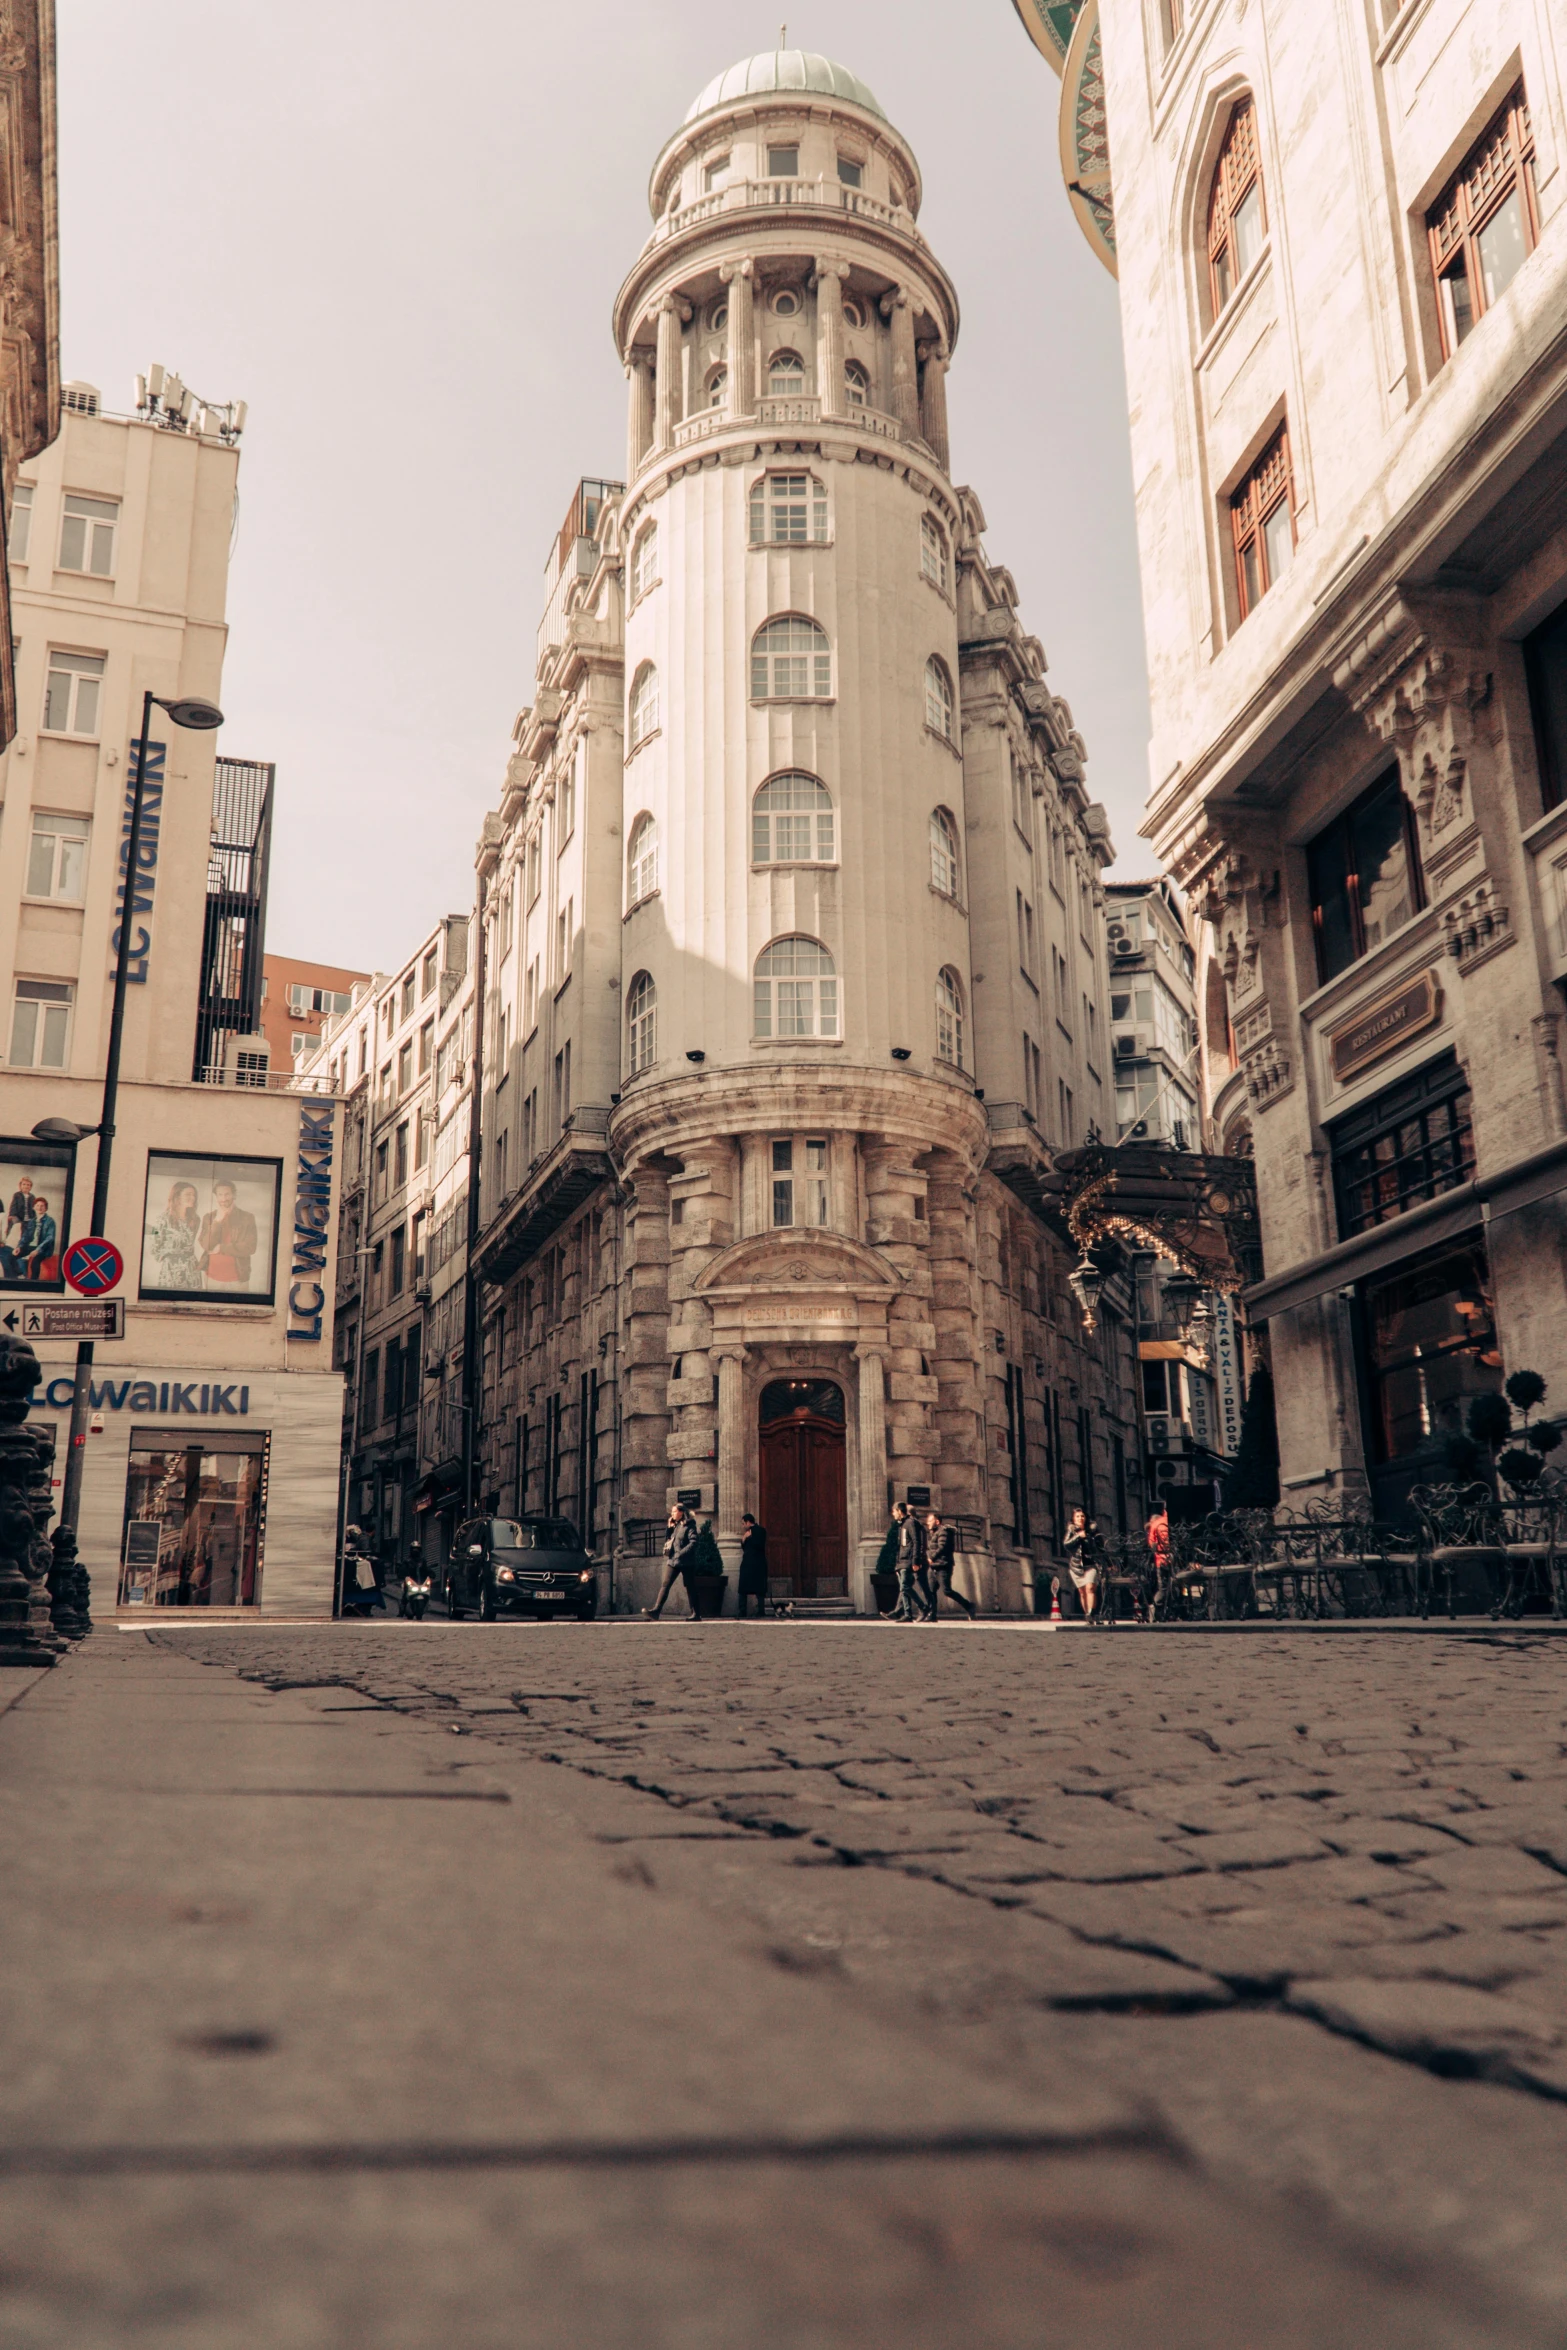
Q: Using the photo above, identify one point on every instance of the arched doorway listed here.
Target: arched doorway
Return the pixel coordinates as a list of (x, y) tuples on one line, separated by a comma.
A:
[(804, 1501)]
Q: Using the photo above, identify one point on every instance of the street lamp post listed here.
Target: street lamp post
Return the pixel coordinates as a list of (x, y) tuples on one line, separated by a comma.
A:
[(201, 717)]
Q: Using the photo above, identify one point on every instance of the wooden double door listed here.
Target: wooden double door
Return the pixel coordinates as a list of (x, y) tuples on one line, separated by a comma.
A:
[(804, 1499)]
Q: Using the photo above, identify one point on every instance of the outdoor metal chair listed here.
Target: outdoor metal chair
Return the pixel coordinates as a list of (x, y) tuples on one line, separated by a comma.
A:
[(1531, 1525), (1460, 1537)]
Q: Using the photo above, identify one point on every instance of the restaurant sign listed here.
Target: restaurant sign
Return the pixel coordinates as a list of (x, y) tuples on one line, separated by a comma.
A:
[(1383, 1027)]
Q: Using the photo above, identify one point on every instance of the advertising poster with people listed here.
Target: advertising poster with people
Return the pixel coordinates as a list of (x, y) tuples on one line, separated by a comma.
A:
[(210, 1227), (35, 1191)]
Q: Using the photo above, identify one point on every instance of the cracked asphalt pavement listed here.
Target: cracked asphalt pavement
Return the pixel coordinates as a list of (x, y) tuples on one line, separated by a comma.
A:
[(1270, 1929)]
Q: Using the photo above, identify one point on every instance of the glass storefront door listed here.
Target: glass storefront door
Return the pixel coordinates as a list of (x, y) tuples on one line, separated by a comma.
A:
[(1429, 1344), (195, 1517)]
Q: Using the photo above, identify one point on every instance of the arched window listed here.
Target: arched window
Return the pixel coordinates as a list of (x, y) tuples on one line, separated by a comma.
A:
[(792, 822), (717, 387), (943, 853), (933, 553), (856, 385), (788, 510), (796, 989), (791, 661), (644, 704), (949, 1018), (644, 561), (938, 699), (785, 375), (1235, 219), (641, 1024), (642, 861)]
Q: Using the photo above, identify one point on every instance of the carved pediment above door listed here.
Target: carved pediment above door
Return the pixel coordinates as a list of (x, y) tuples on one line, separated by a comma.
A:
[(795, 1258)]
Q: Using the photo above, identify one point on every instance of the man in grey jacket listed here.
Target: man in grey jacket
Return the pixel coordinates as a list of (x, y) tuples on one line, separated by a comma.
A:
[(679, 1553)]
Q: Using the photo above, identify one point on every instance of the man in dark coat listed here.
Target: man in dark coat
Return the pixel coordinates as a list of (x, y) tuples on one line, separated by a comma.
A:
[(941, 1550), (912, 1602), (753, 1565)]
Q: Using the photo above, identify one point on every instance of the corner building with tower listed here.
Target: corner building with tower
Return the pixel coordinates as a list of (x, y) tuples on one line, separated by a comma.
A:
[(793, 931)]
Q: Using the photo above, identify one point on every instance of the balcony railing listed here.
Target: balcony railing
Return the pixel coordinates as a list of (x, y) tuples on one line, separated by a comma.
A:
[(796, 409), (790, 194)]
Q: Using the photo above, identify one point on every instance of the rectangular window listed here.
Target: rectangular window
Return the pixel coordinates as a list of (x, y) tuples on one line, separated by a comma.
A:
[(193, 1518), (405, 1067), (430, 973), (566, 809), (783, 1183), (530, 998), (850, 173), (564, 926), (1262, 518), (1065, 1107), (419, 1232), (400, 1156), (1431, 1345), (1486, 224), (1545, 658), (41, 1023), (1365, 879), (715, 171), (399, 1260), (408, 998), (562, 1084), (535, 865), (21, 521), (816, 1182), (1408, 1144), (380, 1170), (1155, 1395), (71, 695), (57, 858), (530, 1127), (783, 163), (87, 536), (426, 1047), (788, 510)]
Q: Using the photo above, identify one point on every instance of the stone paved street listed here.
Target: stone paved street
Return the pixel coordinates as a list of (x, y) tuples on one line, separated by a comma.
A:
[(1268, 1927)]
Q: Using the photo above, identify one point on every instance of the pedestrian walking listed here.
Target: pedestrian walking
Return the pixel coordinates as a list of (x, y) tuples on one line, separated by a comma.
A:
[(941, 1551), (679, 1558), (913, 1590), (753, 1566), (1157, 1536), (1082, 1561)]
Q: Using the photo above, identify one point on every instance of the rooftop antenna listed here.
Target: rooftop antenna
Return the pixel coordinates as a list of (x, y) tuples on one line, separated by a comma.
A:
[(783, 36)]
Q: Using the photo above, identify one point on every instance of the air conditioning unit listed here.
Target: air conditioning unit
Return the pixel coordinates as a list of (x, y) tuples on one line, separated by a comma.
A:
[(1115, 929), (1126, 950), (1126, 1048), (1158, 1436), (80, 399), (247, 1061)]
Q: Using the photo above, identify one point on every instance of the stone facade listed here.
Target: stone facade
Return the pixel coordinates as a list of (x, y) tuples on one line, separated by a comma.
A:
[(793, 925), (1393, 964)]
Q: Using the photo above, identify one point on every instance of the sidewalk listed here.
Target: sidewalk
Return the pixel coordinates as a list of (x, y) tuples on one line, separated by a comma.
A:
[(329, 2028)]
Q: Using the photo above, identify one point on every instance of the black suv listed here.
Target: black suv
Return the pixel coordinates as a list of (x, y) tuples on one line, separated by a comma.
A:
[(527, 1566)]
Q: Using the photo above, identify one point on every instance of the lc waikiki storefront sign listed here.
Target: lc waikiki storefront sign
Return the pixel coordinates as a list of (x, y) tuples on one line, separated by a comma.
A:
[(134, 892), (205, 1399), (312, 1224)]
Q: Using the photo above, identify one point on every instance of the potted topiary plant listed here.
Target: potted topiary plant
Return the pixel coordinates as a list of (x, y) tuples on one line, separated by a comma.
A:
[(707, 1578), (1517, 1452)]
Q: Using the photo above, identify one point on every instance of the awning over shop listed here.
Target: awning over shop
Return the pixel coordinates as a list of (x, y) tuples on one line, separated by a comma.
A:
[(441, 1489), (1435, 1221)]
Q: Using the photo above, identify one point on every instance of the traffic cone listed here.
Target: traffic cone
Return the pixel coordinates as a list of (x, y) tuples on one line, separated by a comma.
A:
[(1055, 1603)]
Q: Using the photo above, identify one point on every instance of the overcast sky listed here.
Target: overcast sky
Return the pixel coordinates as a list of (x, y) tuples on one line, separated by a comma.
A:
[(397, 231)]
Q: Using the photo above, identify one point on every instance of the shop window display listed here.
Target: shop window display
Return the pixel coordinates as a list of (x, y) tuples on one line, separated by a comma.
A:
[(195, 1519), (210, 1227)]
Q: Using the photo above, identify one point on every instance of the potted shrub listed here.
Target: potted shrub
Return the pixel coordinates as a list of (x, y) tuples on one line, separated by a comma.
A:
[(708, 1582)]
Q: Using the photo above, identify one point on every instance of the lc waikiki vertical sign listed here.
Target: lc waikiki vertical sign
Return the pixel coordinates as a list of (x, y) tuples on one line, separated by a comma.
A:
[(138, 888), (312, 1223)]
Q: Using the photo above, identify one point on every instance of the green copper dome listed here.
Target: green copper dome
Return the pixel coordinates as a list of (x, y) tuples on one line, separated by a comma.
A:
[(784, 70)]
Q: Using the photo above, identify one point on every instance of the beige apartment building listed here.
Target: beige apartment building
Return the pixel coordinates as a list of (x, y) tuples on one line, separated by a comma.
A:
[(1343, 270), (399, 1053), (792, 923), (211, 1475)]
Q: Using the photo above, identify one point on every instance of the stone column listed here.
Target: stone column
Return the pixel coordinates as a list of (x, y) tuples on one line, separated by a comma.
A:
[(644, 1369), (829, 335), (730, 1363), (933, 403), (667, 407), (899, 314), (740, 278), (639, 420)]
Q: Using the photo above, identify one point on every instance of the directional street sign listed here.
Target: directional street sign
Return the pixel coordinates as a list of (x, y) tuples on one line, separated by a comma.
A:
[(70, 1317), (93, 1266)]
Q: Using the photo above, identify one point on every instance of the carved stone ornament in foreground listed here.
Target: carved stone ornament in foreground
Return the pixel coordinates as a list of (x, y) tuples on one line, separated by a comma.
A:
[(27, 1636)]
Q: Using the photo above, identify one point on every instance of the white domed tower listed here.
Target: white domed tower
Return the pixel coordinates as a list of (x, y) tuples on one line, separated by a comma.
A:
[(792, 742), (857, 894)]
